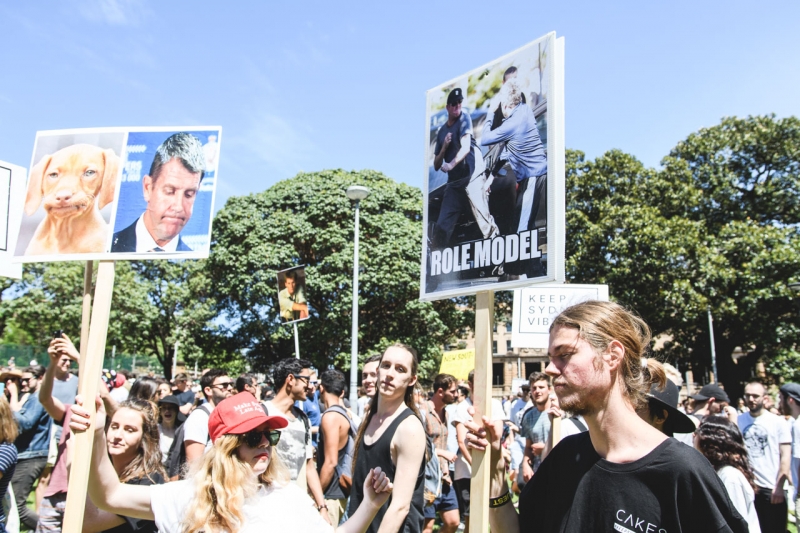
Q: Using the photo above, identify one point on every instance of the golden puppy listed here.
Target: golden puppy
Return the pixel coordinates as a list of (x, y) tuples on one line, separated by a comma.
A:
[(75, 183)]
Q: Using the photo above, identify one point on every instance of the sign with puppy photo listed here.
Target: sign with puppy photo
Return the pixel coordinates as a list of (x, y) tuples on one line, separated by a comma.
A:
[(120, 193)]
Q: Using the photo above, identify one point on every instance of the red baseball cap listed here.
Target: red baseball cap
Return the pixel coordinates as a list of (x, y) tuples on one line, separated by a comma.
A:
[(239, 414)]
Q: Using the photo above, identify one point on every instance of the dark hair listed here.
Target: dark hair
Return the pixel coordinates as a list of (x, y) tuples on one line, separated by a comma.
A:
[(443, 381), (285, 367), (509, 71), (539, 376), (180, 377), (333, 381), (292, 275), (408, 397), (373, 359), (244, 379), (184, 146), (37, 371), (144, 388), (721, 442), (464, 390), (207, 379)]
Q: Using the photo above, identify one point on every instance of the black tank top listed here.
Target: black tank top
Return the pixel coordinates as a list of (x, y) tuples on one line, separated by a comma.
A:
[(379, 454)]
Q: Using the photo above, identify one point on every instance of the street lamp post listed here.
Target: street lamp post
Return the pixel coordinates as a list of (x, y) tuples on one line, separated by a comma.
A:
[(357, 193)]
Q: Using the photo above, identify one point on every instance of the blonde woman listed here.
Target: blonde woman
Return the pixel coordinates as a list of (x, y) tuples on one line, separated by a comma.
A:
[(239, 486)]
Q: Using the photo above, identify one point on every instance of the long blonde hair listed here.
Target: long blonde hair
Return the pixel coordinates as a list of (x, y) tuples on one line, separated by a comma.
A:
[(8, 425), (222, 483), (600, 323)]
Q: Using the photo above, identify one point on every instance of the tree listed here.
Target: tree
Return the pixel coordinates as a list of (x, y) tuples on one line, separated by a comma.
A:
[(308, 220), (715, 228)]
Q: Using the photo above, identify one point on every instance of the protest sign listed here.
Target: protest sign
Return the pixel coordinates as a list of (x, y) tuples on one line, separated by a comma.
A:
[(536, 307), (12, 196), (494, 176), (457, 363), (120, 193), (292, 295)]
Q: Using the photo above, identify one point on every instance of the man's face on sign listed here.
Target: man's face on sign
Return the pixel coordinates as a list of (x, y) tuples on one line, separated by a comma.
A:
[(290, 284), (454, 111), (170, 199)]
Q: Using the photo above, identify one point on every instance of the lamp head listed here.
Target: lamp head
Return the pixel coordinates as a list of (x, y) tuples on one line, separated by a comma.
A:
[(357, 192)]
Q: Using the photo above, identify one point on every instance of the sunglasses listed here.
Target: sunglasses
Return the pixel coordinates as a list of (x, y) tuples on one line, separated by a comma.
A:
[(253, 438), (307, 379), (223, 386)]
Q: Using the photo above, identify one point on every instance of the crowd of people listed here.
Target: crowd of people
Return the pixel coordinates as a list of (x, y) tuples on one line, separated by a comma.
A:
[(598, 441)]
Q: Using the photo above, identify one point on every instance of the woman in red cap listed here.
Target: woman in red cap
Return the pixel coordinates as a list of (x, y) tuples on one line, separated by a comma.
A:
[(239, 486)]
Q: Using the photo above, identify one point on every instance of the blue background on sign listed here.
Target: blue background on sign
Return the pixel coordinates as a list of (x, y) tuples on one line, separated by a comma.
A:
[(141, 149)]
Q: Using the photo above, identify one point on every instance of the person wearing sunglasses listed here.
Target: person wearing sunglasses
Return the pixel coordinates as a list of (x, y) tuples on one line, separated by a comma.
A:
[(240, 485), (216, 386)]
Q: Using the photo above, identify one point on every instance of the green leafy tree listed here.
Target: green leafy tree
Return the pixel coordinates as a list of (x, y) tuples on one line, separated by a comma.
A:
[(308, 220), (715, 228)]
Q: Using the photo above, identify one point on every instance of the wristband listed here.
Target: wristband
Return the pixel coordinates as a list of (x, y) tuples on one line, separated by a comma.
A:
[(494, 503), (321, 507)]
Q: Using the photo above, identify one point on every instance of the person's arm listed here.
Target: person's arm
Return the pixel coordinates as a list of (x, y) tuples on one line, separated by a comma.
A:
[(461, 435), (377, 488), (105, 489), (438, 159), (51, 404), (408, 444), (783, 474), (13, 396), (501, 133), (186, 408), (481, 437), (466, 145), (29, 419), (315, 489), (194, 450), (331, 425), (97, 521)]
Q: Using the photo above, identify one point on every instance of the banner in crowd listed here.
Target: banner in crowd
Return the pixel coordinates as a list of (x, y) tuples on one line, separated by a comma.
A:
[(457, 363), (120, 193), (494, 175), (536, 307), (12, 196), (292, 295)]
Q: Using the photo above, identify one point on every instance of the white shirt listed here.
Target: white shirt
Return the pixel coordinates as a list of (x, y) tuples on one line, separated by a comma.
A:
[(763, 436), (164, 444), (741, 495), (146, 243), (796, 455), (196, 426), (463, 469), (293, 447), (273, 508)]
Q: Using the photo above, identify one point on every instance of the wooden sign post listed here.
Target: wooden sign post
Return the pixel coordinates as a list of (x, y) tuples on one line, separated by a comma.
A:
[(86, 313), (92, 364), (482, 402)]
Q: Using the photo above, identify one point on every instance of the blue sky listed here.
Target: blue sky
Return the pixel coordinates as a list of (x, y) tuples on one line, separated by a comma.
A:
[(316, 85)]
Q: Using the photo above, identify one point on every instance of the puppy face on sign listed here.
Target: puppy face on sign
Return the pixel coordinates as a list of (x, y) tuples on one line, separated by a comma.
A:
[(70, 181)]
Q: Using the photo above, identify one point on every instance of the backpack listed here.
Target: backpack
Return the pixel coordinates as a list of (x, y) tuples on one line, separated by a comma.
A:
[(176, 458), (344, 470), (432, 487), (433, 473)]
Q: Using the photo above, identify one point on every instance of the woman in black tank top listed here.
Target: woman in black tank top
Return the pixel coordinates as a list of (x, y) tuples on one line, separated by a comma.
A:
[(392, 412)]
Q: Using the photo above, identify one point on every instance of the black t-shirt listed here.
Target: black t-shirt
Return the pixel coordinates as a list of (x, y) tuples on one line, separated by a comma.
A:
[(185, 397), (138, 525), (672, 489)]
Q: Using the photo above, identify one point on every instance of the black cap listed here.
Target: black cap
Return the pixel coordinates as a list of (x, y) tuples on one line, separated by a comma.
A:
[(677, 422), (455, 96), (791, 390), (712, 390)]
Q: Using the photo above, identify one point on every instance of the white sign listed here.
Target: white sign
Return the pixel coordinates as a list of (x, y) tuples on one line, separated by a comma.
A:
[(536, 307), (12, 197)]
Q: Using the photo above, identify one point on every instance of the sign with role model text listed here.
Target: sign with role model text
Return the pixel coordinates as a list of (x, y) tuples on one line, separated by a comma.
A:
[(494, 175)]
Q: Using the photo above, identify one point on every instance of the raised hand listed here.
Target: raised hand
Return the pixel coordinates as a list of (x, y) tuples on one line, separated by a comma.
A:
[(80, 420), (377, 488)]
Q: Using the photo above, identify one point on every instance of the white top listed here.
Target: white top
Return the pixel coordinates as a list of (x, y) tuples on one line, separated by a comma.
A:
[(292, 448), (463, 470), (146, 243), (164, 444), (763, 436), (196, 426), (741, 495), (120, 394), (273, 508)]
